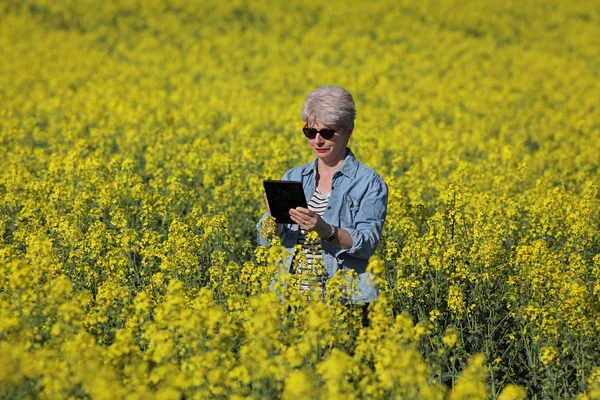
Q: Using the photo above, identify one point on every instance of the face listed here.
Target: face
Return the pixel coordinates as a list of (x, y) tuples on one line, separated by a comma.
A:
[(329, 150)]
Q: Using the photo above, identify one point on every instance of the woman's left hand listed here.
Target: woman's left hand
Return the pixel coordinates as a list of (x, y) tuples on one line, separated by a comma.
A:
[(309, 220)]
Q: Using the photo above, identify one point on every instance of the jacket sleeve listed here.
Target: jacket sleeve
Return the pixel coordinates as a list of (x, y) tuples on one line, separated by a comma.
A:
[(368, 222)]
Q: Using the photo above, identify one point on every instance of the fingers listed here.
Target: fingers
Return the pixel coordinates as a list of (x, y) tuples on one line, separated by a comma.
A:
[(296, 219), (305, 211), (267, 202), (305, 218), (295, 215), (301, 215), (299, 219)]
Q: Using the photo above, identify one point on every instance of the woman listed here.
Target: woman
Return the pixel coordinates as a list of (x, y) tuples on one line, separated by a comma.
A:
[(347, 200)]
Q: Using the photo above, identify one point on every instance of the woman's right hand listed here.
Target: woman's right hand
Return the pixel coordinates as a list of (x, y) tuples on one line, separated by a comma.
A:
[(267, 222), (267, 203)]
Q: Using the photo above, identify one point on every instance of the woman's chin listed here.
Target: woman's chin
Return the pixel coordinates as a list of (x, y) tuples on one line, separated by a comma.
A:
[(328, 156)]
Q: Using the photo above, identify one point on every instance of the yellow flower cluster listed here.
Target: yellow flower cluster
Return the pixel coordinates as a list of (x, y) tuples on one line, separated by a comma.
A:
[(134, 137)]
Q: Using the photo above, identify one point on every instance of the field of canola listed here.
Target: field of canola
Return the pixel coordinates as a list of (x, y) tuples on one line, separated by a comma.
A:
[(135, 136)]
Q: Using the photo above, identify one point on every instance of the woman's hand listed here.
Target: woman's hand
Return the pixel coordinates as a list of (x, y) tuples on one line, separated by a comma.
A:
[(267, 203), (310, 221), (267, 224)]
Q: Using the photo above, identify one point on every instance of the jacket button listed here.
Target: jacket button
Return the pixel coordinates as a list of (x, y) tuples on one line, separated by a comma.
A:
[(324, 251), (329, 207)]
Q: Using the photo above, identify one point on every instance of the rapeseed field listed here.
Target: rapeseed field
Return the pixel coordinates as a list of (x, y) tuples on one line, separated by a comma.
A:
[(134, 138)]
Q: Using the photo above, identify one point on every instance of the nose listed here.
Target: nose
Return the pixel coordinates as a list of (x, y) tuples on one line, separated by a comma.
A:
[(319, 138)]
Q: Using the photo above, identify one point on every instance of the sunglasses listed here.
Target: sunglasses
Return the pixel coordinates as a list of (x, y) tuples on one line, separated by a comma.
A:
[(325, 133)]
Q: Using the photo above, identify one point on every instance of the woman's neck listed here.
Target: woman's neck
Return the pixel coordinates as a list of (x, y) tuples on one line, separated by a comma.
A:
[(329, 168)]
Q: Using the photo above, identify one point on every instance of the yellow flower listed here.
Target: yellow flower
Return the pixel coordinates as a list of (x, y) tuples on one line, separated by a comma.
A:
[(131, 182), (434, 315), (548, 355), (512, 392), (471, 383), (299, 385), (450, 337)]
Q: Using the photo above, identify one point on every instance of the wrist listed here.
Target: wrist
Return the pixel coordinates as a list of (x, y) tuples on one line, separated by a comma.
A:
[(333, 236), (325, 231)]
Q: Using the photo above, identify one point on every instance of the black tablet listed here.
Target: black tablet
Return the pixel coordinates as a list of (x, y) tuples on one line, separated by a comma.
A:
[(283, 195)]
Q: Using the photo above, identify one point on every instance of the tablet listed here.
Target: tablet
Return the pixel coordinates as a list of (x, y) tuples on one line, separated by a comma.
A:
[(283, 195)]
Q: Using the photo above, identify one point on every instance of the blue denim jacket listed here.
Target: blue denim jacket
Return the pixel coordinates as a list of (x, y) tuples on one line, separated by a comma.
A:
[(357, 204)]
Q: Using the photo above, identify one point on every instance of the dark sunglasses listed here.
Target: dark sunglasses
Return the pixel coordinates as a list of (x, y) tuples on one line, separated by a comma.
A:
[(325, 133)]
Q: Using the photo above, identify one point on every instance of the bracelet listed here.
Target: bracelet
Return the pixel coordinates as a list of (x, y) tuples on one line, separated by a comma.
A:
[(333, 235)]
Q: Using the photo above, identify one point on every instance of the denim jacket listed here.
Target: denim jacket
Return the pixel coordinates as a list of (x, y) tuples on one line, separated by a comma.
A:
[(357, 204)]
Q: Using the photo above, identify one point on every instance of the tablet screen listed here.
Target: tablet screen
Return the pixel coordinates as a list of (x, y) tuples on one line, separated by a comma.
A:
[(283, 195)]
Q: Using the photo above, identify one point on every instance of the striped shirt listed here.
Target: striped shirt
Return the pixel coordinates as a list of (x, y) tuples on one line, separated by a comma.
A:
[(313, 251)]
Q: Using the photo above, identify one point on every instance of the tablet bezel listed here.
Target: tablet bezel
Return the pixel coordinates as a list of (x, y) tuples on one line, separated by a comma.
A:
[(280, 211)]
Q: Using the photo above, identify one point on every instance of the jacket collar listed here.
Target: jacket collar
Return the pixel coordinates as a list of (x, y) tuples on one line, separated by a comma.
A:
[(348, 168)]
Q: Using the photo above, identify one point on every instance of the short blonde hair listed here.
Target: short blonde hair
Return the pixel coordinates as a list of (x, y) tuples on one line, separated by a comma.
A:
[(331, 105)]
